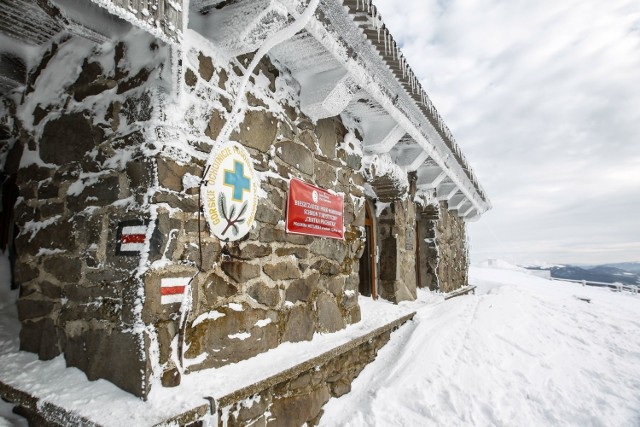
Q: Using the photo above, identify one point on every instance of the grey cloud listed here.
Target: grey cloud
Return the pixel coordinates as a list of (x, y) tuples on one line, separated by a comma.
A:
[(544, 99)]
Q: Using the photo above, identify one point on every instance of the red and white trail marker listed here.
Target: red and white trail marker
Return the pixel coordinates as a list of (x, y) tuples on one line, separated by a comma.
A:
[(132, 238), (172, 289)]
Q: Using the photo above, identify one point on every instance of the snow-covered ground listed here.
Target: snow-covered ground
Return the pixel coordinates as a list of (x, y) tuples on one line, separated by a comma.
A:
[(524, 351), (7, 297)]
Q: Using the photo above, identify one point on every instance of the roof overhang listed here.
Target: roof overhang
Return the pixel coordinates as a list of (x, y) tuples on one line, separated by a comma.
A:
[(347, 63)]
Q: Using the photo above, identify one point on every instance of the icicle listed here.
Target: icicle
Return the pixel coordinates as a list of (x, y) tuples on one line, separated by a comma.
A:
[(385, 42), (393, 49)]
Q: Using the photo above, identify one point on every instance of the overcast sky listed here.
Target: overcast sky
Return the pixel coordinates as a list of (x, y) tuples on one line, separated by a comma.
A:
[(544, 98)]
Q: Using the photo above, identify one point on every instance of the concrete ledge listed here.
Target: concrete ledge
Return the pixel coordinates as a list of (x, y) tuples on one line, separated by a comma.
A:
[(283, 376), (55, 415), (73, 400), (462, 291), (293, 372)]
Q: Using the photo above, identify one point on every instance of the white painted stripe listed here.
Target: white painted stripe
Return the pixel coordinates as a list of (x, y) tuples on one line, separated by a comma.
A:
[(134, 229), (132, 247), (170, 282), (171, 299)]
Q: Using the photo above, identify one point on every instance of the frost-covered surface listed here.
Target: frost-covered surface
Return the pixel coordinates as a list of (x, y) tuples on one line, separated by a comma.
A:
[(104, 403), (379, 165), (371, 73), (164, 20), (524, 351), (118, 88)]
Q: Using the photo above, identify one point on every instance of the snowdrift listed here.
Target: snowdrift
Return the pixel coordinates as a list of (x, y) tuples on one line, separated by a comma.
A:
[(523, 351)]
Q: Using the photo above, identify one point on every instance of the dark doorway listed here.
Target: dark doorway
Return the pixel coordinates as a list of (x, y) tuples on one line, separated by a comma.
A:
[(419, 259), (427, 250), (8, 197), (368, 258), (8, 231)]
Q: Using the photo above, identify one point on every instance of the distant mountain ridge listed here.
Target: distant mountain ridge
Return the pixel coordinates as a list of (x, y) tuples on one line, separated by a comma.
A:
[(631, 267), (627, 273)]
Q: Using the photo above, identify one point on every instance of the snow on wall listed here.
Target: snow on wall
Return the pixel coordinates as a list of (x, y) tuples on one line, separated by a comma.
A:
[(162, 18), (86, 125), (156, 113), (245, 295)]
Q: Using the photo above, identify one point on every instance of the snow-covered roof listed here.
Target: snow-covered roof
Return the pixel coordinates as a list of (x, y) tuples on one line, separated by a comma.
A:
[(369, 20), (348, 63)]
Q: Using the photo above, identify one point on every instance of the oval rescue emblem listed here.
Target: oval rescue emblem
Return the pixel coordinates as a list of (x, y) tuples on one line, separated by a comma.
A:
[(231, 194)]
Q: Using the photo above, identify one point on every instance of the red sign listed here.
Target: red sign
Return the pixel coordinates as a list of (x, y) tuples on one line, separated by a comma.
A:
[(314, 211)]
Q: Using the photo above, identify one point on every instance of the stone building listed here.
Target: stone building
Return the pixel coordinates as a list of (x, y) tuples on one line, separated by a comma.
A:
[(148, 152)]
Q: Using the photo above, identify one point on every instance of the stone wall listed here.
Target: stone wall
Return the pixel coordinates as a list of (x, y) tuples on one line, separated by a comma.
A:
[(271, 287), (113, 140), (84, 131), (397, 245), (444, 261), (102, 154), (453, 264), (429, 256), (299, 401)]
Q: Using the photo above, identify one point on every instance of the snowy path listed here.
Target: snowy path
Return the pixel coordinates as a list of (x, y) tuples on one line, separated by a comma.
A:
[(525, 352)]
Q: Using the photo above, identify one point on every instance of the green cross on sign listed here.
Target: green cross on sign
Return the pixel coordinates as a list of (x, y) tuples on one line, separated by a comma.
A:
[(237, 181)]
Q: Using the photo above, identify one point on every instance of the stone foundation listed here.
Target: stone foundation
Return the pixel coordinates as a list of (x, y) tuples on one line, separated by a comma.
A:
[(287, 391), (299, 400)]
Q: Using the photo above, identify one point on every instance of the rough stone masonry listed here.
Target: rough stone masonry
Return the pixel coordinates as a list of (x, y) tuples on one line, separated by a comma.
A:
[(108, 143)]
